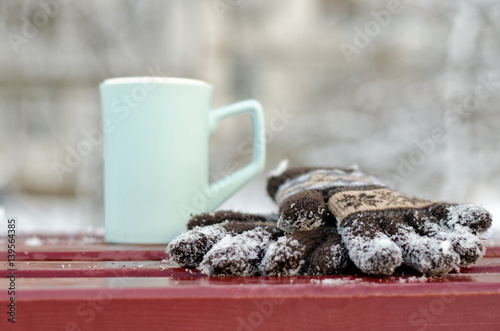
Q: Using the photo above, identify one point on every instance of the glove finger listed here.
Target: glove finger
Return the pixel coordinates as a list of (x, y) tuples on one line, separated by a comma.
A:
[(302, 211), (468, 246), (288, 255), (189, 248), (227, 215), (329, 258), (371, 250), (237, 255), (429, 255), (472, 217)]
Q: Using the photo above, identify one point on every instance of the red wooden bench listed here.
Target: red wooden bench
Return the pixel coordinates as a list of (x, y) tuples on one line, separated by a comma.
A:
[(81, 283)]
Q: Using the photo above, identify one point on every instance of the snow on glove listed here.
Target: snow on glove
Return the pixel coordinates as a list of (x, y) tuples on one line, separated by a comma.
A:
[(228, 243), (211, 242), (319, 251), (381, 228)]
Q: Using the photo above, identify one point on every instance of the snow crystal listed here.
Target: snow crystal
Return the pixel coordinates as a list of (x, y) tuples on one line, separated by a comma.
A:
[(445, 246), (431, 255), (188, 248), (335, 281), (300, 219), (463, 215), (33, 241), (378, 255), (337, 261), (461, 240), (236, 254), (413, 279), (287, 251)]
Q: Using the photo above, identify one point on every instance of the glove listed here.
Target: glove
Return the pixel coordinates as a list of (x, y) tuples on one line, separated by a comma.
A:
[(229, 243), (381, 228)]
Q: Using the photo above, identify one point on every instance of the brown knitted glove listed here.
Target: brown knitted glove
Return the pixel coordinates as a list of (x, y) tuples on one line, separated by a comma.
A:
[(228, 243), (381, 228)]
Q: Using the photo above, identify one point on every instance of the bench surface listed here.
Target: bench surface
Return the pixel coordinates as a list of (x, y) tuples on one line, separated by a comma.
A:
[(82, 283)]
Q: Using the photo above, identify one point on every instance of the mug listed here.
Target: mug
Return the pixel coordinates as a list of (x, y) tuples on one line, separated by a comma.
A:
[(156, 138)]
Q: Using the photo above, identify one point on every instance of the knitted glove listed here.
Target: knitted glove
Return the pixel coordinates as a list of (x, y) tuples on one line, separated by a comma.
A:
[(228, 243), (381, 228)]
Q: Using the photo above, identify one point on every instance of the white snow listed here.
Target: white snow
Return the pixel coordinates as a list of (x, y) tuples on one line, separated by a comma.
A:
[(369, 254), (445, 246), (301, 220), (285, 248), (335, 281), (413, 279), (457, 212), (238, 254), (428, 255), (210, 233), (33, 241)]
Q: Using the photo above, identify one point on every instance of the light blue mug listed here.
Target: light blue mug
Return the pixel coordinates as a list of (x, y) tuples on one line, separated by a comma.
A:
[(156, 135)]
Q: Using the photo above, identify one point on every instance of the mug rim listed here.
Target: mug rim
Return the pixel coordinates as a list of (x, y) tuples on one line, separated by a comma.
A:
[(154, 79)]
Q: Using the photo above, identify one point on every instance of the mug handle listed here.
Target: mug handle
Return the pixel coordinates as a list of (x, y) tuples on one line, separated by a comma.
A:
[(221, 190)]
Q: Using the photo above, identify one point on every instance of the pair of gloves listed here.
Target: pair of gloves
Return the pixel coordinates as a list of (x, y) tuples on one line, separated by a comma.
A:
[(333, 221)]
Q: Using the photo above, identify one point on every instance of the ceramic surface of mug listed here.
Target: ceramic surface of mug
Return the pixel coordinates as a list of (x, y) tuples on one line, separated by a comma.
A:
[(156, 134)]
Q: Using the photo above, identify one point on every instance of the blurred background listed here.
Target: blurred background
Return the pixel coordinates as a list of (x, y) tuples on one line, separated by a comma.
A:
[(405, 89)]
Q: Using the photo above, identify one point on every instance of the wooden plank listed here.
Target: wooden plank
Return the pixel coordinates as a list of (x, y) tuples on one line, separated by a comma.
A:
[(44, 239), (90, 295), (92, 254), (33, 269), (483, 283), (80, 248), (80, 269), (492, 249), (82, 283), (308, 304), (196, 281), (89, 248)]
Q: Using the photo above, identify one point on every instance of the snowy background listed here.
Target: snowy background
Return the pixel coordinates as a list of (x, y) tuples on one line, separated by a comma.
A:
[(405, 89)]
